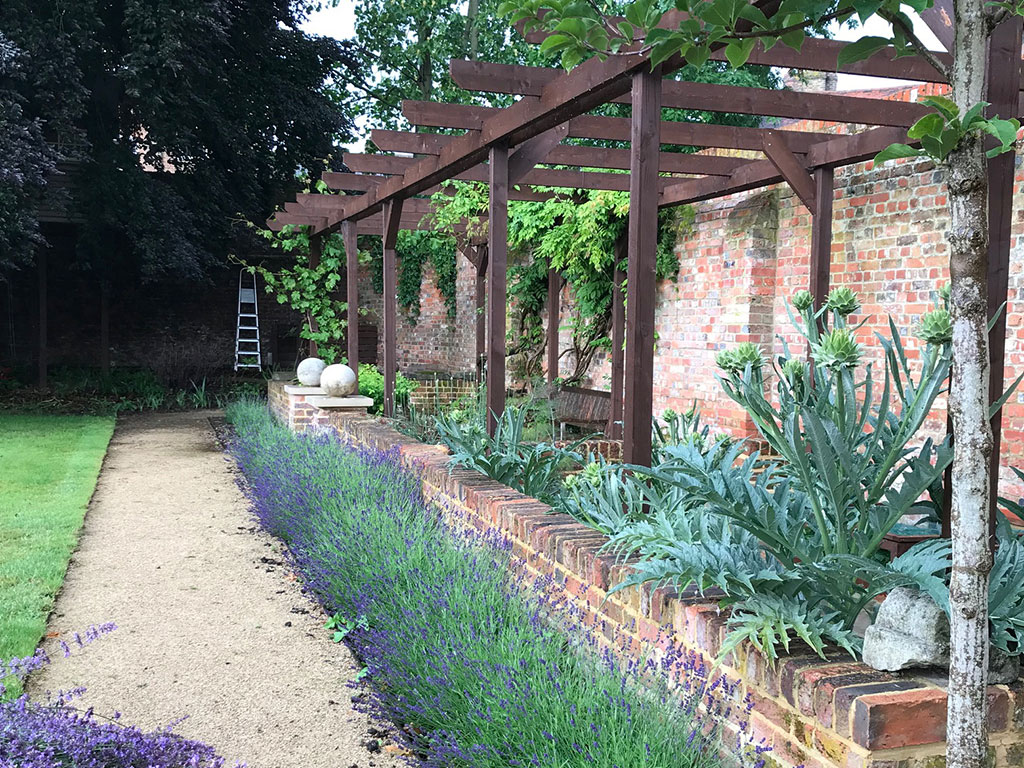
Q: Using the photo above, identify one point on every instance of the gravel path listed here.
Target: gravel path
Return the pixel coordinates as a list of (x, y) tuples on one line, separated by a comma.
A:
[(211, 623)]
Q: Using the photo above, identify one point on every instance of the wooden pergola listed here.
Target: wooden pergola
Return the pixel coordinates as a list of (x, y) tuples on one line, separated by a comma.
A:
[(505, 147)]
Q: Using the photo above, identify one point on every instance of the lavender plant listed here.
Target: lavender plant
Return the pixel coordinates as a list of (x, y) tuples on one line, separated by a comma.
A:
[(54, 733), (459, 648)]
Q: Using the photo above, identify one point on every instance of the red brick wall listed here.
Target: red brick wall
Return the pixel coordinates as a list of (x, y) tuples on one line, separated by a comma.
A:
[(747, 254), (836, 714), (434, 341)]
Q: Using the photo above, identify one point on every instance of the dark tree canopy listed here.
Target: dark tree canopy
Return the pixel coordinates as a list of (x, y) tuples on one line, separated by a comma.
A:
[(27, 159), (184, 114)]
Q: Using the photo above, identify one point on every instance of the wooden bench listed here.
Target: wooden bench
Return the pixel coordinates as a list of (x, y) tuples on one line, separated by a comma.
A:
[(587, 409)]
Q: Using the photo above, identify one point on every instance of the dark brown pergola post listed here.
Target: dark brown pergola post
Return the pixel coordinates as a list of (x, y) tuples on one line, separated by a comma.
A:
[(104, 329), (641, 284), (614, 428), (481, 311), (497, 237), (348, 238), (821, 234), (1004, 72), (42, 336), (554, 291), (315, 251), (392, 221)]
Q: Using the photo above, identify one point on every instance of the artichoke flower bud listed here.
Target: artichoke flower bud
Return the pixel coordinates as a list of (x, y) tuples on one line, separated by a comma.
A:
[(570, 481), (592, 474), (736, 360), (803, 300), (793, 370), (945, 292), (843, 301), (837, 350), (726, 360), (936, 327)]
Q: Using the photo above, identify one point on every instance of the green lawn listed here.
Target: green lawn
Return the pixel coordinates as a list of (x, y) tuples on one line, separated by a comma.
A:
[(48, 469)]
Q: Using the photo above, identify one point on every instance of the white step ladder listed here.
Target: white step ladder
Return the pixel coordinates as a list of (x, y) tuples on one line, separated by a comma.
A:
[(247, 329)]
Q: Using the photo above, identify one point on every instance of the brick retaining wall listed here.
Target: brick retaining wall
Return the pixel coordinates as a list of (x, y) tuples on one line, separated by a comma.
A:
[(836, 714)]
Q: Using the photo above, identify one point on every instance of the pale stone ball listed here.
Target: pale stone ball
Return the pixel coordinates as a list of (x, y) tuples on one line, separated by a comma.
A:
[(339, 381), (309, 371)]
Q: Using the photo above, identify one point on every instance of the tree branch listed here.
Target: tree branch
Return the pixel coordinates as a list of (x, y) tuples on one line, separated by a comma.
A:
[(915, 43)]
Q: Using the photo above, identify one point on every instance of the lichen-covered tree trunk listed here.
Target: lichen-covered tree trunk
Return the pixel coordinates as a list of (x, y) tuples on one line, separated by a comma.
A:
[(969, 403)]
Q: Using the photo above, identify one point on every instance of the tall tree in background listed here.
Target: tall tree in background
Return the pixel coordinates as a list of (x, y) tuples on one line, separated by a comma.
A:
[(405, 48), (954, 135), (26, 161), (184, 114)]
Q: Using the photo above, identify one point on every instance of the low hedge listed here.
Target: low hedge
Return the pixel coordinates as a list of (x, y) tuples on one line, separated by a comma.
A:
[(478, 667)]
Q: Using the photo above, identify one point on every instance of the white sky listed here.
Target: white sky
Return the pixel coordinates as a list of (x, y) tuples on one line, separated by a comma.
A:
[(339, 22)]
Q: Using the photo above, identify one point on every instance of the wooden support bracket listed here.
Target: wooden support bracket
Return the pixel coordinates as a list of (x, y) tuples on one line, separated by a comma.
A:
[(790, 166)]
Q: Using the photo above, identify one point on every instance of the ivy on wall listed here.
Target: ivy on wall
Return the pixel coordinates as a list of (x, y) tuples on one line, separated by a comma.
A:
[(414, 250)]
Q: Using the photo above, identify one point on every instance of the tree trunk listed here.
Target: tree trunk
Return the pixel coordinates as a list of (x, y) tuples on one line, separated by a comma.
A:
[(968, 404), (473, 28)]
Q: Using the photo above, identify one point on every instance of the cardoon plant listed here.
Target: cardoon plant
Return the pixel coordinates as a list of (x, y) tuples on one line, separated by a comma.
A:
[(805, 531), (460, 649)]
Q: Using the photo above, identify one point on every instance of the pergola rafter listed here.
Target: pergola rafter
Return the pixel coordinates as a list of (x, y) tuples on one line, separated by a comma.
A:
[(503, 146)]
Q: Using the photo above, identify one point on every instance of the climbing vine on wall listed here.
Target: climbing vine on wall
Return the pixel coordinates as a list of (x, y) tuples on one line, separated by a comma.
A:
[(576, 234), (307, 289), (414, 250)]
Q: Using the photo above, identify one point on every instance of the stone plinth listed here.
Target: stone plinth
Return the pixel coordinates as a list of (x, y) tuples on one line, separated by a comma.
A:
[(356, 402), (301, 407)]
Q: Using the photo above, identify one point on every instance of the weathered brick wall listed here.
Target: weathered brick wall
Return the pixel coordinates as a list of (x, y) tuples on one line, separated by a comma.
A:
[(434, 341), (835, 714), (747, 254), (434, 393)]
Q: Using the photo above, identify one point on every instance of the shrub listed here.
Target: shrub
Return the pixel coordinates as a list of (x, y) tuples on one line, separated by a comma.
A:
[(532, 468), (371, 384), (458, 651)]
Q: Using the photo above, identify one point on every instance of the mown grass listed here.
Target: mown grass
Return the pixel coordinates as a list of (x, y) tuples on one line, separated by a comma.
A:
[(478, 665), (48, 470)]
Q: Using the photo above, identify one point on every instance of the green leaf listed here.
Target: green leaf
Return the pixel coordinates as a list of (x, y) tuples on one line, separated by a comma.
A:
[(896, 151), (861, 49), (737, 52), (794, 39), (974, 113), (572, 26), (665, 49), (929, 125), (865, 9), (696, 55), (946, 106), (553, 43)]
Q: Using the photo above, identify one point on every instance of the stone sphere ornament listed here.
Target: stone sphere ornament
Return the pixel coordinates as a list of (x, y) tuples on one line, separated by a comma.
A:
[(309, 370), (338, 381)]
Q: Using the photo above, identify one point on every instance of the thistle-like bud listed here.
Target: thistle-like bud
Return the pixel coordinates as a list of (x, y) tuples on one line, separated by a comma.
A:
[(669, 415), (592, 473), (793, 370), (843, 301), (803, 300), (837, 350), (945, 292), (936, 327), (570, 481), (737, 359), (726, 360)]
